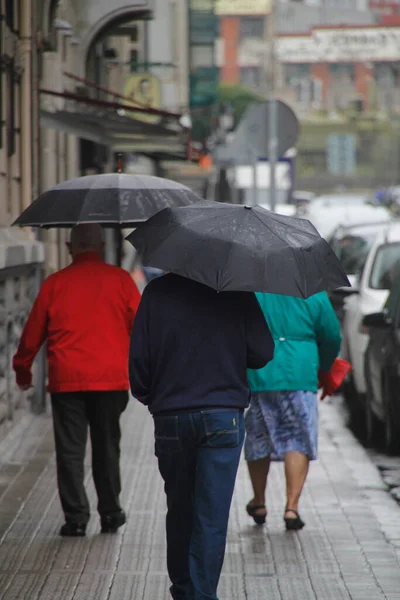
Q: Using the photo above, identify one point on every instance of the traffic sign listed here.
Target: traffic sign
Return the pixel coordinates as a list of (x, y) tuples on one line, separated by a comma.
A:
[(252, 135)]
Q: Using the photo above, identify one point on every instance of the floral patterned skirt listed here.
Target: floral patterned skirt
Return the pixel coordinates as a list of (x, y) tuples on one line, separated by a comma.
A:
[(280, 422)]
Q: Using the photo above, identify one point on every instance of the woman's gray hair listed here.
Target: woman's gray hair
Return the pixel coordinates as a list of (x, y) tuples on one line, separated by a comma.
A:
[(87, 236)]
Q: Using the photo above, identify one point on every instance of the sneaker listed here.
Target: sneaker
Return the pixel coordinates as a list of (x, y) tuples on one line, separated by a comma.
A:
[(111, 523)]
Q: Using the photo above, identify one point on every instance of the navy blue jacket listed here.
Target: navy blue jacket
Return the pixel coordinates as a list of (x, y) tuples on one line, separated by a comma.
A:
[(190, 346)]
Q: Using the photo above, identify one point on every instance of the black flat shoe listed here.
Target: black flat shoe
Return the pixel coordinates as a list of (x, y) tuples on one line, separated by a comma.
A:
[(293, 524), (251, 511), (111, 523), (73, 529)]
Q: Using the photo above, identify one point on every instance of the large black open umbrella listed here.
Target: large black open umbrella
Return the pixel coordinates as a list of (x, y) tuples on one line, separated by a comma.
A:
[(112, 199), (240, 248)]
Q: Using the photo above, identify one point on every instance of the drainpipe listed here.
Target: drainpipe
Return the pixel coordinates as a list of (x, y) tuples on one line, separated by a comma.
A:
[(26, 105)]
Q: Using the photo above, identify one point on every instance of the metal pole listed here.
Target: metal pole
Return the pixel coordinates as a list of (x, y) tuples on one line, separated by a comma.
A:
[(272, 108), (254, 171)]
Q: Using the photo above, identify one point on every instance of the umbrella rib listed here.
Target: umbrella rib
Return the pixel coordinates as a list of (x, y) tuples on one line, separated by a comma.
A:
[(269, 228), (278, 236)]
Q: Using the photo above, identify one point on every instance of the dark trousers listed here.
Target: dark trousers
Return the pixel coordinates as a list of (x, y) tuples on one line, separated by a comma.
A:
[(73, 414), (198, 457)]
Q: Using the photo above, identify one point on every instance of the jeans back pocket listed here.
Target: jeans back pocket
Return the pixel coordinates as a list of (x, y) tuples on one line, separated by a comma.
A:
[(222, 428)]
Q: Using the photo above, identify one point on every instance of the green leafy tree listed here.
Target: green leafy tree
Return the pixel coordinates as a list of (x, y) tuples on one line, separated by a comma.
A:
[(237, 96)]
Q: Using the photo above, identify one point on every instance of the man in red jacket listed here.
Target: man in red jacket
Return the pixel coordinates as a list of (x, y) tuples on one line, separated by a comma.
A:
[(85, 313)]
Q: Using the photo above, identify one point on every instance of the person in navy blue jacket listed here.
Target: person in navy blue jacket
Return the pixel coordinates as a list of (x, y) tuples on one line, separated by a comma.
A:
[(189, 353)]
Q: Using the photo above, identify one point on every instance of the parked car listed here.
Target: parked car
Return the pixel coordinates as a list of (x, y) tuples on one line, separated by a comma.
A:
[(329, 211), (301, 199), (382, 371), (351, 244), (368, 295)]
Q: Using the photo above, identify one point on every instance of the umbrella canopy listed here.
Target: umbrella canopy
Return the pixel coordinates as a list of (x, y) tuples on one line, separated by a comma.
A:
[(240, 248), (111, 199)]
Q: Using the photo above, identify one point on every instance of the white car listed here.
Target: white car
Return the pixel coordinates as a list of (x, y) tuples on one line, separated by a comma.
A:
[(352, 243), (368, 296), (329, 211)]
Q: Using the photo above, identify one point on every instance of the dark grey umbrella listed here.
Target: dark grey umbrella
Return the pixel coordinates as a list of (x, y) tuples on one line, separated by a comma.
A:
[(231, 247), (111, 199)]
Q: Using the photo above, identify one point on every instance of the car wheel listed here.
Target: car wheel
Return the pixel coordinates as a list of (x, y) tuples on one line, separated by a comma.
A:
[(349, 390), (355, 403), (392, 434)]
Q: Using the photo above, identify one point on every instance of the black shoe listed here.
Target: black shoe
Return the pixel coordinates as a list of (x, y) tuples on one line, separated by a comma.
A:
[(111, 523), (293, 524), (73, 529), (251, 508)]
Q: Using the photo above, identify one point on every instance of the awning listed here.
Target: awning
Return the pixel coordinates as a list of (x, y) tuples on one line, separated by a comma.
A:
[(106, 123)]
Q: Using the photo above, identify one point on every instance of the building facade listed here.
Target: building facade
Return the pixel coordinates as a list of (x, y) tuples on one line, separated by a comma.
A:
[(320, 67), (55, 75)]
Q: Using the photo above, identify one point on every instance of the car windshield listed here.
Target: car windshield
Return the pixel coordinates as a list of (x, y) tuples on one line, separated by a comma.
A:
[(352, 251), (386, 267), (392, 303)]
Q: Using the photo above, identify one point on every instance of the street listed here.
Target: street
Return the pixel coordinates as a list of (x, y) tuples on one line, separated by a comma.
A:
[(349, 549)]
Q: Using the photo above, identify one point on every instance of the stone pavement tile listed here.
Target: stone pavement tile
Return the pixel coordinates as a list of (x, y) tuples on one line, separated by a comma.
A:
[(261, 588), (156, 587), (231, 587), (23, 586), (363, 587), (128, 587), (137, 562), (93, 586), (329, 587), (59, 586), (296, 588), (72, 553)]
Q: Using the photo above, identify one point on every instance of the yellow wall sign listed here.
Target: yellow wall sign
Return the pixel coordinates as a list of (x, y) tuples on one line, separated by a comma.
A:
[(242, 7), (145, 89)]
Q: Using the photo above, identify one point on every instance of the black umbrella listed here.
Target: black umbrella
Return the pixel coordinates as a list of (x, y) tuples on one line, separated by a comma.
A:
[(241, 248), (111, 199)]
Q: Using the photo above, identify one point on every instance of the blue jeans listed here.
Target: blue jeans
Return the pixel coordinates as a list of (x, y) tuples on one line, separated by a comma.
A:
[(198, 457)]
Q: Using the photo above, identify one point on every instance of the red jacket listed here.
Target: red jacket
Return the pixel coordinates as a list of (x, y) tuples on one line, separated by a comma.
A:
[(85, 312)]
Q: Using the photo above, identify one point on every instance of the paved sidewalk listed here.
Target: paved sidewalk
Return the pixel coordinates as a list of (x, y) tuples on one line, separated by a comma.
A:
[(349, 548)]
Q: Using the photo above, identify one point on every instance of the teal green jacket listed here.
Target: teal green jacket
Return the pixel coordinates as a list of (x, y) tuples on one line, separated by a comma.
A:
[(307, 338)]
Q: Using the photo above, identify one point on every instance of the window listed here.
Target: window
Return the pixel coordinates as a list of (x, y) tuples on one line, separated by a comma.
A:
[(251, 76), (343, 72), (10, 14), (316, 92), (352, 251), (134, 59), (392, 305), (202, 56), (134, 34), (252, 27), (10, 121), (64, 48), (386, 267)]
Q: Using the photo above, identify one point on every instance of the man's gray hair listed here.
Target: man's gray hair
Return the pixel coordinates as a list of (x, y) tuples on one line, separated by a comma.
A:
[(87, 236)]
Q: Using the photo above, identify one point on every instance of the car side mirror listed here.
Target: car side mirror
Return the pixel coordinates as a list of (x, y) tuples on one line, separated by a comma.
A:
[(344, 292), (379, 319)]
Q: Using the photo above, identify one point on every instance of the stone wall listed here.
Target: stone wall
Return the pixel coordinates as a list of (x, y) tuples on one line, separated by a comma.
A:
[(21, 267)]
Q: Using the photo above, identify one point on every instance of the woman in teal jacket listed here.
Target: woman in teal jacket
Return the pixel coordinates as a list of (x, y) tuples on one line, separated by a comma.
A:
[(282, 420)]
